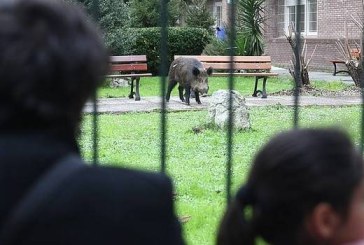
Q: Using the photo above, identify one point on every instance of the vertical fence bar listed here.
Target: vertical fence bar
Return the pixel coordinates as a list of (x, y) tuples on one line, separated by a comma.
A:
[(95, 136), (361, 77), (229, 158), (297, 70), (163, 73)]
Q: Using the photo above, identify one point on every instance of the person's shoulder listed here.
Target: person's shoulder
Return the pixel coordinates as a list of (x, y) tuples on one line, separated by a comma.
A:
[(127, 174), (119, 178), (132, 190), (111, 204)]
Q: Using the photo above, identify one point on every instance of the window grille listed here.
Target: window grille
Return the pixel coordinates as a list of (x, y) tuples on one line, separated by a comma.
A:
[(288, 12), (298, 8)]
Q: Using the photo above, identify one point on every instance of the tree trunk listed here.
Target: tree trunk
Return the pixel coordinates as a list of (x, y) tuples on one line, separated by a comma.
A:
[(355, 69), (304, 77)]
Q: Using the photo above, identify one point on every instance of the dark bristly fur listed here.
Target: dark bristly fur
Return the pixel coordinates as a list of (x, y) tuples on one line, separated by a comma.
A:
[(191, 75)]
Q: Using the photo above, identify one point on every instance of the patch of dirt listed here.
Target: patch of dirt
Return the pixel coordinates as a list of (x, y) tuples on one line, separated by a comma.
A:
[(308, 90)]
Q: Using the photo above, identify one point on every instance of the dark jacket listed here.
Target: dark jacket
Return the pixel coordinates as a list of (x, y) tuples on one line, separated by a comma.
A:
[(98, 205)]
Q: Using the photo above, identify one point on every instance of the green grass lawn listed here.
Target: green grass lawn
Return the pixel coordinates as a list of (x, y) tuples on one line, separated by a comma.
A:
[(151, 86), (196, 162)]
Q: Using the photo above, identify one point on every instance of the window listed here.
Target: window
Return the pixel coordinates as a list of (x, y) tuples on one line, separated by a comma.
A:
[(218, 14), (288, 11)]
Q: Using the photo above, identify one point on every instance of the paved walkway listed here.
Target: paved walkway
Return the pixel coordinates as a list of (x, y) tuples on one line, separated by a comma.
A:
[(322, 76), (148, 104)]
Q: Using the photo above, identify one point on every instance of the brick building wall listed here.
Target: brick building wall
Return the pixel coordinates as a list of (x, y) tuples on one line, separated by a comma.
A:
[(332, 17), (225, 9)]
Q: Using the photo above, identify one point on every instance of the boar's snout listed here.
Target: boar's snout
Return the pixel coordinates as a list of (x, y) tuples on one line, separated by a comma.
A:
[(204, 90), (202, 87)]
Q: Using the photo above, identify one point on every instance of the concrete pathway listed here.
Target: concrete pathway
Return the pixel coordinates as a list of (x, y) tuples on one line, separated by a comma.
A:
[(315, 75), (148, 104)]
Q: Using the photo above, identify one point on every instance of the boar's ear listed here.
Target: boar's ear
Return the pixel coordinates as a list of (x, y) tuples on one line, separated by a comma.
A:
[(209, 71), (195, 71)]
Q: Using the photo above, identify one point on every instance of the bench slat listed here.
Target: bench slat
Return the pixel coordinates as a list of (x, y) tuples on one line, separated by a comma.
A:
[(245, 74), (216, 59), (128, 59), (239, 66), (130, 75), (129, 67), (259, 65)]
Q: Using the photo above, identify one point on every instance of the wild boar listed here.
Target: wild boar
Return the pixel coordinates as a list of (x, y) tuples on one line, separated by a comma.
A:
[(191, 75)]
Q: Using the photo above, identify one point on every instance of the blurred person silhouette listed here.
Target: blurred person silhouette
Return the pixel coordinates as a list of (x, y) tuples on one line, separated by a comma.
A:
[(220, 33), (305, 187), (52, 60)]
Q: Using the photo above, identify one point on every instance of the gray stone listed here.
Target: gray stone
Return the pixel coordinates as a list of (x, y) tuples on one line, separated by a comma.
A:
[(119, 82), (218, 112)]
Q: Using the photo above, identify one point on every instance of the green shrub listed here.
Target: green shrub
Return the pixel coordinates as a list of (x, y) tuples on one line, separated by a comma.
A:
[(250, 22), (198, 15), (181, 40), (216, 47), (221, 47), (249, 38), (111, 14)]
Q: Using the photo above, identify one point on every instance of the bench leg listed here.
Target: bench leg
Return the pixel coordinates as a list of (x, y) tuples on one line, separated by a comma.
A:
[(131, 95), (264, 93), (255, 93), (137, 95), (334, 69)]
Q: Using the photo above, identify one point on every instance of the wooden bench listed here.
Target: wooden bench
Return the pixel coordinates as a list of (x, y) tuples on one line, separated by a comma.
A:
[(355, 53), (244, 66), (133, 66)]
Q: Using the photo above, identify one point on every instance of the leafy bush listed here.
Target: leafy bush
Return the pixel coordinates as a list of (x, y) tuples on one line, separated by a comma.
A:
[(216, 47), (146, 13), (181, 40), (198, 15), (249, 27), (221, 47), (110, 14), (250, 22)]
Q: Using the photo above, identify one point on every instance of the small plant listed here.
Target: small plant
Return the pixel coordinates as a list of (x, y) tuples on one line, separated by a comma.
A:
[(146, 13), (351, 52), (303, 60), (250, 19), (199, 16), (216, 47)]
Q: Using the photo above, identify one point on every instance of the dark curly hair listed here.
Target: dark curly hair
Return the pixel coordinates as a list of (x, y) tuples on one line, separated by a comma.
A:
[(52, 59), (295, 171)]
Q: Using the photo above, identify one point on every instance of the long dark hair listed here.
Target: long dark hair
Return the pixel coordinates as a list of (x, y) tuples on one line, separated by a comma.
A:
[(290, 175)]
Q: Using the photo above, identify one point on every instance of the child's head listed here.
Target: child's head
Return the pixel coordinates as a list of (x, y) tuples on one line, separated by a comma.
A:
[(52, 58), (302, 189)]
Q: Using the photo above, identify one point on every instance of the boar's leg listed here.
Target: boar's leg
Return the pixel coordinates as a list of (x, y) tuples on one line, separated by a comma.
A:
[(197, 97), (193, 94), (171, 85), (187, 94), (180, 91)]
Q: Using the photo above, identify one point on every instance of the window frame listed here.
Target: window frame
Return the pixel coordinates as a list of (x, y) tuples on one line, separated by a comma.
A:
[(307, 21), (218, 19)]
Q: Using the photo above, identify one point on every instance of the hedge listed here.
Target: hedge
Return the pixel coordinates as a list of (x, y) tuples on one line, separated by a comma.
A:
[(133, 41)]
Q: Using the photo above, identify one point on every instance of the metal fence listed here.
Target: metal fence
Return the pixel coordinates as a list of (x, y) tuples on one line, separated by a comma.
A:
[(229, 135)]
